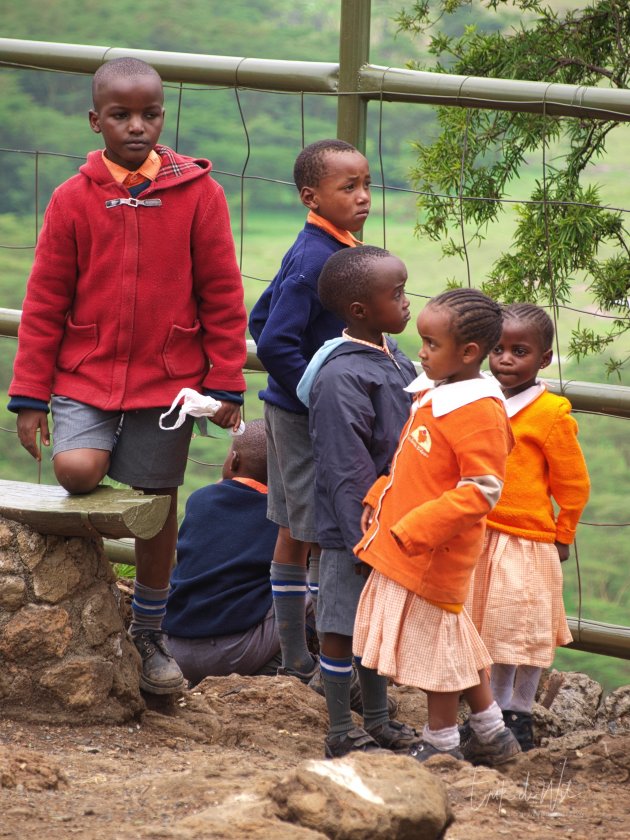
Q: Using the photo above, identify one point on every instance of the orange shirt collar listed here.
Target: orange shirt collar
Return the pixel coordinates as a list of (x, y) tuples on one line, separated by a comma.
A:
[(251, 482), (148, 170), (341, 235)]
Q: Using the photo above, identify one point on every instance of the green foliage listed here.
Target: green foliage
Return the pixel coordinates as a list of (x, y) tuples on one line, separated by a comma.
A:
[(564, 235)]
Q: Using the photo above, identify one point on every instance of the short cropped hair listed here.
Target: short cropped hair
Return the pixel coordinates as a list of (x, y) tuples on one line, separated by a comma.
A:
[(347, 276), (536, 318), (310, 164), (475, 317), (252, 448), (117, 68)]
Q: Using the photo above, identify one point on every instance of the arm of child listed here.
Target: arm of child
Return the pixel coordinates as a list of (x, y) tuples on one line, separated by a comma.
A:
[(342, 419), (568, 475), (279, 345), (219, 291), (481, 457)]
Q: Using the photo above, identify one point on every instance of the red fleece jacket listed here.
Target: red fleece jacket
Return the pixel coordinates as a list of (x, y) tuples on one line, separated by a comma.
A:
[(126, 305)]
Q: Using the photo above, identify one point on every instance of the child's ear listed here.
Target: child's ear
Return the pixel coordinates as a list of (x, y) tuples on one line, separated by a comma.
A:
[(545, 359), (235, 461), (94, 121), (308, 197), (471, 353), (357, 310)]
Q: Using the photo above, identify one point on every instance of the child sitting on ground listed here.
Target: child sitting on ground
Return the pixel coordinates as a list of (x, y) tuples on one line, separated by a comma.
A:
[(289, 324), (353, 387), (516, 601), (219, 616), (135, 293), (423, 529)]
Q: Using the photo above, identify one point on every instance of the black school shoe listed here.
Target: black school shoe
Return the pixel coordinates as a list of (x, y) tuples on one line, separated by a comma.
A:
[(160, 672), (502, 747), (520, 723), (423, 750), (356, 740)]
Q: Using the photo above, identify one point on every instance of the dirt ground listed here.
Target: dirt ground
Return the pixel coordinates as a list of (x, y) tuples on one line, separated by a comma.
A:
[(185, 768)]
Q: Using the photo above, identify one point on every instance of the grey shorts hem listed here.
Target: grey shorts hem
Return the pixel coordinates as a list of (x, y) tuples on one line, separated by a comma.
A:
[(86, 443), (339, 592)]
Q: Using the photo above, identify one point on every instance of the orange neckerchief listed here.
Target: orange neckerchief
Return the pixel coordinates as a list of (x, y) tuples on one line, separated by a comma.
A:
[(251, 482), (341, 235), (146, 172)]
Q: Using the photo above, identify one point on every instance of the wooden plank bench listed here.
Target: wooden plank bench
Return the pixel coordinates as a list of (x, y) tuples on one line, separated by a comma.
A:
[(106, 511)]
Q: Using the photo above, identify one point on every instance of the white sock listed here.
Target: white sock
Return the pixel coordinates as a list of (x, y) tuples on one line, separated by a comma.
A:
[(525, 687), (486, 724), (502, 684), (442, 739)]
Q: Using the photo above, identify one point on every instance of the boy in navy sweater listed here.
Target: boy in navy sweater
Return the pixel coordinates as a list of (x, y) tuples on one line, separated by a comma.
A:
[(219, 615), (354, 388), (289, 324)]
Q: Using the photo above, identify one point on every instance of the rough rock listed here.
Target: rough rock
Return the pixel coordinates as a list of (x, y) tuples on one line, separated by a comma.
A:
[(371, 796), (614, 712), (573, 700), (64, 651)]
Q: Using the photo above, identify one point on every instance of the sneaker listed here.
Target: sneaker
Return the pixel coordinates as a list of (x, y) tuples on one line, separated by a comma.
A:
[(303, 676), (424, 750), (395, 736), (160, 673), (500, 749), (356, 740), (520, 723)]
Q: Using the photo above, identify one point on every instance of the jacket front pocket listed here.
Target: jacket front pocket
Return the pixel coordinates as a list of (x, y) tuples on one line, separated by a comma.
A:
[(78, 342), (183, 353)]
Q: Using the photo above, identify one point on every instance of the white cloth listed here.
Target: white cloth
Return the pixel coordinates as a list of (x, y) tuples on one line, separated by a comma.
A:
[(196, 405), (447, 397)]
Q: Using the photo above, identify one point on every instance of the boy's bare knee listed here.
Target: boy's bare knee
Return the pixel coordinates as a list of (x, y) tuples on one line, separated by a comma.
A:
[(81, 470)]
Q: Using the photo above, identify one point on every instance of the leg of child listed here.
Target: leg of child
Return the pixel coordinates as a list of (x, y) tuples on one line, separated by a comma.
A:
[(336, 668), (81, 470), (491, 743), (525, 688), (502, 684), (289, 588), (154, 561)]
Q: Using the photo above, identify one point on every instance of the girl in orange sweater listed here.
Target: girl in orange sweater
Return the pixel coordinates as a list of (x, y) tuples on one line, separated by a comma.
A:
[(516, 600), (423, 527)]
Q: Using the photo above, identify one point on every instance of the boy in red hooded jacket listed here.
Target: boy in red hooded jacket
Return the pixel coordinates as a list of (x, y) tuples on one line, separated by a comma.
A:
[(135, 293)]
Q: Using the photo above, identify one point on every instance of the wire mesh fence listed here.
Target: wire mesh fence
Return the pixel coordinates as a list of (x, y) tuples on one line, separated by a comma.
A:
[(256, 174)]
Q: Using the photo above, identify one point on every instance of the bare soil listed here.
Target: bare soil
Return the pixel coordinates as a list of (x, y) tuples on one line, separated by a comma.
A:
[(185, 768)]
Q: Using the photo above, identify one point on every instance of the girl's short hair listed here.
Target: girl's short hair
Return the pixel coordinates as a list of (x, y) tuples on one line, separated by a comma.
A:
[(475, 316), (533, 316)]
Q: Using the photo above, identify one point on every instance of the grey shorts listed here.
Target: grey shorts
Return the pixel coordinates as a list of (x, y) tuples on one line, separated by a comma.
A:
[(143, 455), (290, 473), (340, 588)]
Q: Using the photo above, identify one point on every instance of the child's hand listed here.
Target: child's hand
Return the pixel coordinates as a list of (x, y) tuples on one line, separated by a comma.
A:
[(228, 416), (366, 517), (362, 569), (29, 421), (563, 551)]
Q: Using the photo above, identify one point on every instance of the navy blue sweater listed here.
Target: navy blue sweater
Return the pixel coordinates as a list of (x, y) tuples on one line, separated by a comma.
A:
[(288, 323), (220, 585)]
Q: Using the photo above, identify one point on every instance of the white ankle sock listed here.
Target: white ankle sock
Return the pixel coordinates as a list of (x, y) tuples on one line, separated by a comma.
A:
[(486, 724), (442, 739)]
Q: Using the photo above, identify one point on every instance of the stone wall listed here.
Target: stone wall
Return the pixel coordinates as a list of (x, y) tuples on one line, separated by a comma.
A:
[(64, 652)]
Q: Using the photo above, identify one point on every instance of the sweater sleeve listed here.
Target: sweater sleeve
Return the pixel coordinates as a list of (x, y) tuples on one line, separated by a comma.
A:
[(279, 346), (342, 421), (481, 457), (49, 294), (568, 475), (219, 290)]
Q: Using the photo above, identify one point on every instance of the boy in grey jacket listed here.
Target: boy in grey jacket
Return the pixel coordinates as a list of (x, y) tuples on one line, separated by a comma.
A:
[(353, 388)]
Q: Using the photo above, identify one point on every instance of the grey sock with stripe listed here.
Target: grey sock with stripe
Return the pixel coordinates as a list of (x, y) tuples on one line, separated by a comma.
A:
[(288, 587), (336, 678), (148, 608)]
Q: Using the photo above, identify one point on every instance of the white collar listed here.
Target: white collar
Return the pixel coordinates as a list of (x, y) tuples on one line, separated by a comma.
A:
[(520, 401), (452, 395)]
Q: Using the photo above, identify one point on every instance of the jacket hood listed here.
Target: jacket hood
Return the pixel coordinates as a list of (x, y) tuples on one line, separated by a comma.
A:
[(339, 346), (175, 168)]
